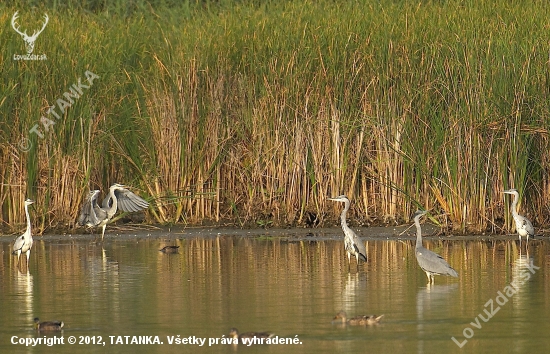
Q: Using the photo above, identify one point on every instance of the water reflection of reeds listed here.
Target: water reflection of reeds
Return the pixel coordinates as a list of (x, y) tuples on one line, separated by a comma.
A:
[(266, 283)]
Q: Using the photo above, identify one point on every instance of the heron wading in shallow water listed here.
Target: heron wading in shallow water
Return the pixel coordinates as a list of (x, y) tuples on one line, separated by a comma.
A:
[(23, 243), (429, 261), (523, 225), (352, 243), (92, 215)]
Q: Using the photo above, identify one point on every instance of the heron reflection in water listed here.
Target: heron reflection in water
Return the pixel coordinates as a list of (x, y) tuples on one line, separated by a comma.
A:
[(430, 262), (92, 215), (352, 242)]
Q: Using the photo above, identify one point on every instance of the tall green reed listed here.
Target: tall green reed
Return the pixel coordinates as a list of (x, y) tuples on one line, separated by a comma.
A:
[(245, 111)]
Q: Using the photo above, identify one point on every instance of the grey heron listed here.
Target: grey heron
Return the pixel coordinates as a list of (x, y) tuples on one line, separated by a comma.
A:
[(23, 243), (429, 261), (365, 320), (352, 242), (48, 326), (93, 215), (234, 333), (523, 225)]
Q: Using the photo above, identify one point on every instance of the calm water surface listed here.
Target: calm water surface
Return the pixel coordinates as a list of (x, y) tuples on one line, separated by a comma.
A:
[(286, 284)]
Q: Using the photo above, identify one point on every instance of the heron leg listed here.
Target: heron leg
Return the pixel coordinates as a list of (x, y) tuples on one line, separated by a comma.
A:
[(349, 260), (103, 232), (429, 277), (28, 256)]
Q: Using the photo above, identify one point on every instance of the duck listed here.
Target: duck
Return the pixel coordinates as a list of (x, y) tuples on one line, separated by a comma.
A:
[(365, 320), (234, 333), (169, 249), (48, 326)]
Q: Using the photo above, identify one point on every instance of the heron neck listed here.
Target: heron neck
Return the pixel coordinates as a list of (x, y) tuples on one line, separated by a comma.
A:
[(515, 205), (112, 210), (418, 233), (343, 216), (28, 220)]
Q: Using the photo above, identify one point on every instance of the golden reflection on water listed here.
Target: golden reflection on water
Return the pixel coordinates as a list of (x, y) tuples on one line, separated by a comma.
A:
[(292, 286)]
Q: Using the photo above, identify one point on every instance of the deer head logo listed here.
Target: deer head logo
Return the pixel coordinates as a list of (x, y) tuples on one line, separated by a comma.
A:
[(29, 40)]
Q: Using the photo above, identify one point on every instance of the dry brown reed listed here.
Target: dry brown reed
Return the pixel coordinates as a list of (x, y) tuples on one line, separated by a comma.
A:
[(285, 108)]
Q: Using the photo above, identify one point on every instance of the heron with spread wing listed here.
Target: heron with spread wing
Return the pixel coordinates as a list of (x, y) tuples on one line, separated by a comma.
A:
[(93, 215)]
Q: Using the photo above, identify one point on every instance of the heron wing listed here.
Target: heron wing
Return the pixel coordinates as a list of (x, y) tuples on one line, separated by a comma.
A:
[(354, 245), (432, 262), (360, 248), (130, 202), (18, 244), (100, 215), (89, 212), (85, 212), (527, 226)]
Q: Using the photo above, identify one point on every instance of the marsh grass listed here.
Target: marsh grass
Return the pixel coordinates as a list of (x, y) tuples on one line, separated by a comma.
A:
[(240, 112)]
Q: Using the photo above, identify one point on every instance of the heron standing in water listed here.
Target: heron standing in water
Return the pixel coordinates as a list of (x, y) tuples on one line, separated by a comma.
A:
[(429, 261), (93, 215), (23, 243), (523, 225), (352, 243)]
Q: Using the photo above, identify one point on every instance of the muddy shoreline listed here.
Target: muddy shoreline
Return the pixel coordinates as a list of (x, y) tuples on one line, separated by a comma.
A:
[(137, 232)]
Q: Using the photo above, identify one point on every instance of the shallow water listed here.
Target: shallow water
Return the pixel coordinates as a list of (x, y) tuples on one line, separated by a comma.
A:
[(285, 283)]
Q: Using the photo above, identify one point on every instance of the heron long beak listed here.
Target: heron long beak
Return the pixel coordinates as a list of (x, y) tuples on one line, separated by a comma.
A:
[(420, 213)]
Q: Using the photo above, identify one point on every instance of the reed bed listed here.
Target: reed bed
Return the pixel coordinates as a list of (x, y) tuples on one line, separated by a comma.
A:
[(252, 113)]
